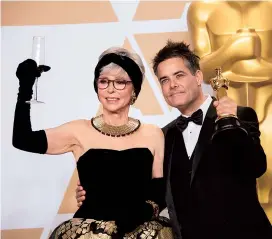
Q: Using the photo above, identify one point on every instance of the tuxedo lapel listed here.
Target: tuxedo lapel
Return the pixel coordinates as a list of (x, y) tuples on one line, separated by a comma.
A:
[(170, 141), (169, 146), (205, 135)]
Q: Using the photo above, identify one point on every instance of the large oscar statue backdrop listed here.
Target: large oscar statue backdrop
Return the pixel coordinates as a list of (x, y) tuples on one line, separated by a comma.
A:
[(237, 36)]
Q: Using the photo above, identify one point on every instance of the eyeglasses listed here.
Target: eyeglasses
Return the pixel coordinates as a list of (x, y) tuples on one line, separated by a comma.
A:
[(117, 84)]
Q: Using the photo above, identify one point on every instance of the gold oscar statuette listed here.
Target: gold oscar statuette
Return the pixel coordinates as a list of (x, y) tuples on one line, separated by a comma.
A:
[(220, 85)]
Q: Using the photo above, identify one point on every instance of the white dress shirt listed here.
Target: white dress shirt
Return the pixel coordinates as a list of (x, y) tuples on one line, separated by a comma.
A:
[(191, 133)]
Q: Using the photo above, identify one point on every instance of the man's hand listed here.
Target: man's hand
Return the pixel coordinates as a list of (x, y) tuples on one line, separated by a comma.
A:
[(225, 106), (80, 194)]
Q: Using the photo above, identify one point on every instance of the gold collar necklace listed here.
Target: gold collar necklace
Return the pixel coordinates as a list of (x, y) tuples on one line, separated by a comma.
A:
[(115, 131)]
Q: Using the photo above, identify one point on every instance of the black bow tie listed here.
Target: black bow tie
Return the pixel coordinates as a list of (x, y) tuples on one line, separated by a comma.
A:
[(196, 117)]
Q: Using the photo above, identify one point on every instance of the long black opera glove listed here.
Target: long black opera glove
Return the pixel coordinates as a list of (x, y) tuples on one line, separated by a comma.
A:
[(156, 195), (129, 220), (23, 136)]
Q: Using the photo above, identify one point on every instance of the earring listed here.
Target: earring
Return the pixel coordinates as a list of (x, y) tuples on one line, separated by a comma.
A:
[(133, 98)]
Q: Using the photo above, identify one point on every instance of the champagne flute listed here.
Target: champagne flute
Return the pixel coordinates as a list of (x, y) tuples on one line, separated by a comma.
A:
[(38, 55)]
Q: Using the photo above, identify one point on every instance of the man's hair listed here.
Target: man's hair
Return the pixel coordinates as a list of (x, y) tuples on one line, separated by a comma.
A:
[(174, 50)]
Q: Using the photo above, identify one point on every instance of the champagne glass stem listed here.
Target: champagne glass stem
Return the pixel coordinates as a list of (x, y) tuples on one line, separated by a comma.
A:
[(36, 89)]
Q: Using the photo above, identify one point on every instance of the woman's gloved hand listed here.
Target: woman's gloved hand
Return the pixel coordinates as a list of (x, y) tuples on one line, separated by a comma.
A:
[(27, 72), (128, 220)]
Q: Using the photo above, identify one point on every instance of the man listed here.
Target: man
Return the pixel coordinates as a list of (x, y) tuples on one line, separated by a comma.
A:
[(211, 184)]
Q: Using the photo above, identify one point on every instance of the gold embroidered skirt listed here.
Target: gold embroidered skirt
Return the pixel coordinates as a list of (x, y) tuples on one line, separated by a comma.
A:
[(78, 228)]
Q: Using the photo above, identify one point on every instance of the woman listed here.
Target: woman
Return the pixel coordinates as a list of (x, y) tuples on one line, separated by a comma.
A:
[(119, 160)]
